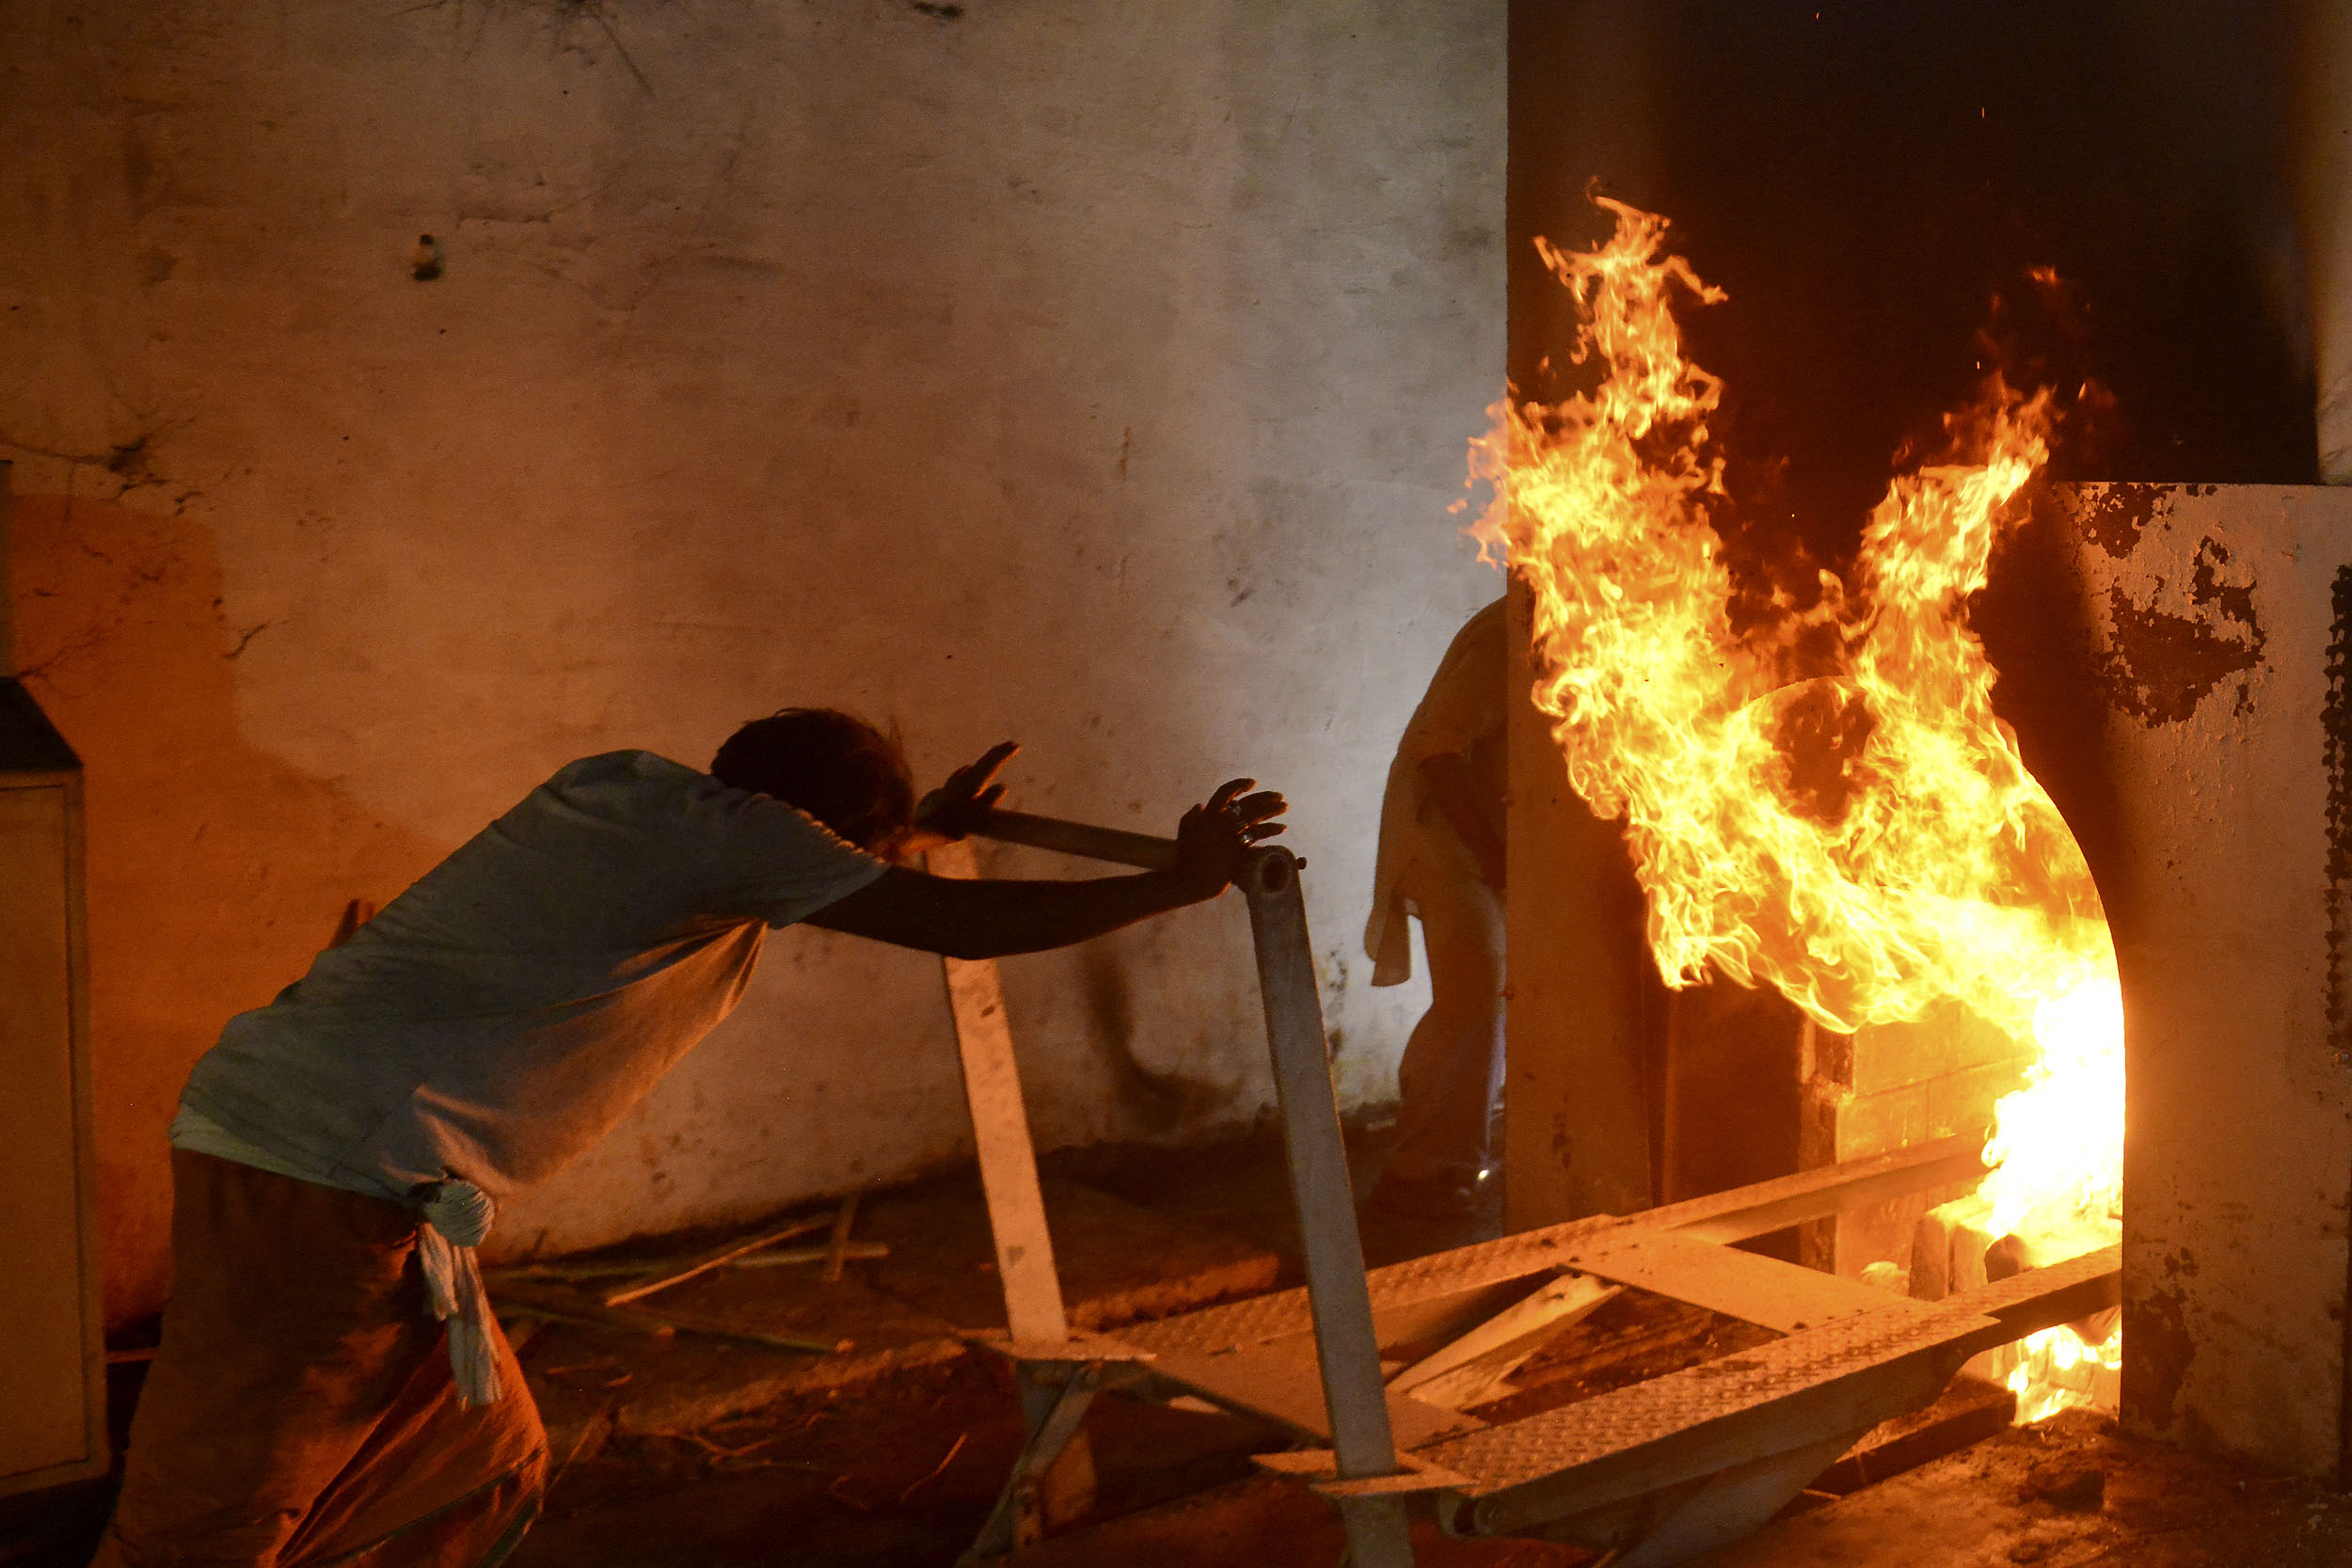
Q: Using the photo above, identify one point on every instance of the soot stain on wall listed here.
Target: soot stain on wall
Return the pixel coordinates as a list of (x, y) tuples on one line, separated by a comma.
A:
[(2161, 1347), (1161, 1100)]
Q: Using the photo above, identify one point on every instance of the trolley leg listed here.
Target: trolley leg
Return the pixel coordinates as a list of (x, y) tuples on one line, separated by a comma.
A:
[(1054, 1397), (1346, 1347)]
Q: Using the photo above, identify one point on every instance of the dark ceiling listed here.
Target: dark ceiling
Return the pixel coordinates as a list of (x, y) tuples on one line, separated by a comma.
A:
[(1872, 181)]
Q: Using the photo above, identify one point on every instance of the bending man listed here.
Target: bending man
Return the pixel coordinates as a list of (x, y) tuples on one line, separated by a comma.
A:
[(1441, 849), (331, 1385)]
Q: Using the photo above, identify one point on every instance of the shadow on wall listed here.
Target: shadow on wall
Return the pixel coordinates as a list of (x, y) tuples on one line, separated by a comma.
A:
[(216, 870), (1162, 1103)]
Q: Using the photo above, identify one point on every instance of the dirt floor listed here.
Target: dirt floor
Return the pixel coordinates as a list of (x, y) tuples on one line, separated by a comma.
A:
[(694, 1449), (902, 1473)]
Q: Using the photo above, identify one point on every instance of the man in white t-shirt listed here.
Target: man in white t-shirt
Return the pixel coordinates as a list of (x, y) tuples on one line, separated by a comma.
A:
[(331, 1381), (1440, 858)]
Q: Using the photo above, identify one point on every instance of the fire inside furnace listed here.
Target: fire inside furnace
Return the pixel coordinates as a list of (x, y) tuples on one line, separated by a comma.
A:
[(1867, 841)]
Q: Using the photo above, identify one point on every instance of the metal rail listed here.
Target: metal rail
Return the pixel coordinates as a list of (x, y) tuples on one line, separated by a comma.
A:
[(1115, 844)]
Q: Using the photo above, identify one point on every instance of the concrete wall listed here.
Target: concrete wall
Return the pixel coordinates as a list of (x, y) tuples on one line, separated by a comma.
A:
[(1091, 375), (2179, 656)]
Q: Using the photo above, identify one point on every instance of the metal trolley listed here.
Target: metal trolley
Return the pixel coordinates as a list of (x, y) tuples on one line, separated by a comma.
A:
[(1658, 1472)]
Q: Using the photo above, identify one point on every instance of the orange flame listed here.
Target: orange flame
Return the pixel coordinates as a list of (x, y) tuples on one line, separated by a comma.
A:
[(1867, 842)]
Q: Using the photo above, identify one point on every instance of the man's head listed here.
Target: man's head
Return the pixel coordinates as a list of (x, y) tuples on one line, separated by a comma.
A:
[(836, 767)]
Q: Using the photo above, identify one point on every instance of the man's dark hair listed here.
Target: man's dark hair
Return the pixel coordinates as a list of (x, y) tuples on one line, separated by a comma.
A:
[(834, 766)]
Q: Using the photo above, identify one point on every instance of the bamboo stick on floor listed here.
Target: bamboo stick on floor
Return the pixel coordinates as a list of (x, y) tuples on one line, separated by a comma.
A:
[(561, 1306), (718, 1258), (839, 1250)]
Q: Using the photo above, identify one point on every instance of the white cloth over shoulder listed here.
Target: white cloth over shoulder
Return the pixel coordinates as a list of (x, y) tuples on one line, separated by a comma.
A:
[(1463, 713)]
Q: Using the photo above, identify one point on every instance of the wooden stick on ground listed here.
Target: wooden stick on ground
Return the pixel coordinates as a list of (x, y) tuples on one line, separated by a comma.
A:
[(625, 1269), (561, 1306), (785, 1256), (838, 1252), (710, 1260)]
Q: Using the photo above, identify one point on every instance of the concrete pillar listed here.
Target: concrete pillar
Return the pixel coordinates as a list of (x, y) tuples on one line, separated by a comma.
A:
[(1576, 1108)]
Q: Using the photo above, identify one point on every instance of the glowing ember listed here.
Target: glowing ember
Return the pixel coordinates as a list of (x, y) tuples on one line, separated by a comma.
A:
[(1868, 841), (2055, 1371)]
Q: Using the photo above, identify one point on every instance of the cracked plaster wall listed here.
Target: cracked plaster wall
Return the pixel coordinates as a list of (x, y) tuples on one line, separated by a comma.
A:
[(1095, 376)]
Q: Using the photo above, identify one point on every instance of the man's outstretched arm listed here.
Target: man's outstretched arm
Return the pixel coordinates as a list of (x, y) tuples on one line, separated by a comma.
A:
[(989, 919)]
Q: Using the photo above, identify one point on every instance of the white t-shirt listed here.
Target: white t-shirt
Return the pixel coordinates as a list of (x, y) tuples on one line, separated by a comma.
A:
[(500, 1016)]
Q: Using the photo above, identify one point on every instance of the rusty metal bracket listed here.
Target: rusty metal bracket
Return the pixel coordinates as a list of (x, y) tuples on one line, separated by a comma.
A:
[(1053, 1401)]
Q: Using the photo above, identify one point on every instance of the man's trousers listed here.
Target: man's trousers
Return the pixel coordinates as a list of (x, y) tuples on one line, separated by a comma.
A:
[(301, 1411)]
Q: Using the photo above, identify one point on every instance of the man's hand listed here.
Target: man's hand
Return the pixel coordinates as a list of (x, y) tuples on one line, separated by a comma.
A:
[(957, 808), (1212, 839)]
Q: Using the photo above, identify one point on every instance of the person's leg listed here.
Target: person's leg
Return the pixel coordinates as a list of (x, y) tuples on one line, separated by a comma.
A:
[(434, 1486), (296, 1345), (1452, 1064), (482, 1531)]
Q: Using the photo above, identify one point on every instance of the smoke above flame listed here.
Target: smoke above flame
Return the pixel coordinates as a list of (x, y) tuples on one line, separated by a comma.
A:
[(1867, 841)]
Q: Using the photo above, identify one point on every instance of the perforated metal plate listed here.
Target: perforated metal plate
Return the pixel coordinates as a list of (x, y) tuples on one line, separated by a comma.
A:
[(1721, 1216), (1839, 1376), (1399, 1285), (2045, 1297)]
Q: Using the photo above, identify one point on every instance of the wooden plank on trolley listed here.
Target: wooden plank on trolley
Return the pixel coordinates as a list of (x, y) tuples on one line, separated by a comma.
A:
[(1744, 1284), (1281, 1382), (1468, 1369), (1746, 1213), (1000, 1127)]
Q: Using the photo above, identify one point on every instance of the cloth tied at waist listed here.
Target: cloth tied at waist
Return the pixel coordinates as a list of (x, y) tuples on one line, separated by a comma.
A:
[(453, 1216)]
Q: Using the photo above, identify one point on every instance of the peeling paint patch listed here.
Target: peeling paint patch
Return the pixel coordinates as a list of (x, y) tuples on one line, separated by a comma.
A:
[(2113, 515), (2161, 665)]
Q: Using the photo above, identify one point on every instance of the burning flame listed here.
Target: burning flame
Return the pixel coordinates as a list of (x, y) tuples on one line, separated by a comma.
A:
[(2059, 1140), (1867, 841)]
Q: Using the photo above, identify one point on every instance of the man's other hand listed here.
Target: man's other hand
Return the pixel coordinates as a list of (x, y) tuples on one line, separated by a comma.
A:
[(957, 808), (1214, 838)]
